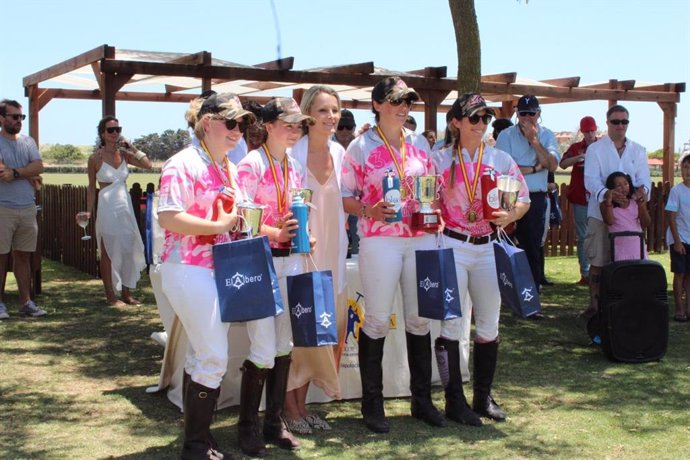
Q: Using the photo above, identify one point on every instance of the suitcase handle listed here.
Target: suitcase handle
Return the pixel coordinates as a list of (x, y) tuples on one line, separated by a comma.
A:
[(614, 235)]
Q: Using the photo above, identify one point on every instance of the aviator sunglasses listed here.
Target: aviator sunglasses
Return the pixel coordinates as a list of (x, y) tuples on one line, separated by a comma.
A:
[(486, 118), (623, 122), (397, 102), (527, 114), (114, 129), (349, 128)]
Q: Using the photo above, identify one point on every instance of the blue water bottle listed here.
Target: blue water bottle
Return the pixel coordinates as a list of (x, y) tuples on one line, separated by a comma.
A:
[(300, 242), (391, 194)]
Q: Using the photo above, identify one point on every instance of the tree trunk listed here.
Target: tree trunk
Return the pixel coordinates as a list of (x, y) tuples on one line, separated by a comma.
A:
[(468, 45)]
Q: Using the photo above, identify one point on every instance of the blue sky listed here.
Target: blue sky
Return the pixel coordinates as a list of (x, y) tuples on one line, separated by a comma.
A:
[(646, 40)]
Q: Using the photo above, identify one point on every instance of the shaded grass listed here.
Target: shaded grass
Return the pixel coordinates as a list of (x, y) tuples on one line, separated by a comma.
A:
[(72, 385)]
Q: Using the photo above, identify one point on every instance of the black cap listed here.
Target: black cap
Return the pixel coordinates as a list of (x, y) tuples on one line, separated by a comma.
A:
[(469, 104), (391, 89), (347, 119), (528, 103)]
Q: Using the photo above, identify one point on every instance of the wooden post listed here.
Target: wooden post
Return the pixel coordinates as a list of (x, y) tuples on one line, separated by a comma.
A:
[(34, 109), (668, 168), (432, 99)]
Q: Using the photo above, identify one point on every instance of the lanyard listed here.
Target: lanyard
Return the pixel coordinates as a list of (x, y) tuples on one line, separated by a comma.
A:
[(281, 194), (217, 169), (399, 166), (471, 190)]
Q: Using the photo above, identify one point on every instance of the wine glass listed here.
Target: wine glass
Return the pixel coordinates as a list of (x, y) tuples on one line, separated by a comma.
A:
[(83, 222)]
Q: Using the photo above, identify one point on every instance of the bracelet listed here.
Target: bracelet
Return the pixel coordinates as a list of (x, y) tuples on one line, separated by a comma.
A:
[(139, 155), (363, 211), (534, 169)]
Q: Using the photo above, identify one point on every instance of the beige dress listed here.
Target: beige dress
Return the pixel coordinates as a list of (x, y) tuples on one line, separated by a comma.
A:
[(317, 365)]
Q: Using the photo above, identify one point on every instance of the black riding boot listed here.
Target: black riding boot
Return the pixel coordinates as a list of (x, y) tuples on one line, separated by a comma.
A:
[(199, 405), (448, 360), (371, 374), (419, 360), (485, 356), (275, 430), (250, 440)]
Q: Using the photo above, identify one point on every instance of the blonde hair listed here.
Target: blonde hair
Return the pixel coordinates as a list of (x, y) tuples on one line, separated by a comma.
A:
[(309, 97), (191, 114)]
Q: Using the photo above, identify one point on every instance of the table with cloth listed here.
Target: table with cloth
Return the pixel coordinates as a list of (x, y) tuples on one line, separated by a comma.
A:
[(396, 375)]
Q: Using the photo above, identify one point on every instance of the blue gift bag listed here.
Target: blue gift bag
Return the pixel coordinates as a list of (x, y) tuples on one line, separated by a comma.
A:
[(437, 284), (312, 309), (515, 280), (246, 280)]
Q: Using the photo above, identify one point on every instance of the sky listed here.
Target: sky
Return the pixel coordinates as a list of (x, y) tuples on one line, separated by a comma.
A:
[(643, 40)]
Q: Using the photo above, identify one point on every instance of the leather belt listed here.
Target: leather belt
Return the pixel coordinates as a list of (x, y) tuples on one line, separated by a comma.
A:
[(281, 252), (469, 239)]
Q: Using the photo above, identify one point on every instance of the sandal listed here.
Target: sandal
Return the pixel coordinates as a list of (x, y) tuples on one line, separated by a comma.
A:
[(132, 301), (680, 317), (317, 422), (299, 426)]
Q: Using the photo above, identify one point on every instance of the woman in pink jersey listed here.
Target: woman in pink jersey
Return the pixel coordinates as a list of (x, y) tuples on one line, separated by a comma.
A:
[(266, 176), (190, 183), (387, 246), (470, 233)]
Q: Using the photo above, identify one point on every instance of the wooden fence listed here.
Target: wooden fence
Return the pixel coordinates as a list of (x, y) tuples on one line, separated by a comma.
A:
[(61, 237)]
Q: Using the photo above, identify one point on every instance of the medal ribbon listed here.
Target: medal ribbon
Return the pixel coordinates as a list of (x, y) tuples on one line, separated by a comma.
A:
[(475, 180), (281, 194), (230, 183), (399, 166)]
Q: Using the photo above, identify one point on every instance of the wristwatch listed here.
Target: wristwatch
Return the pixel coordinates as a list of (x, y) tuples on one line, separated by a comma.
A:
[(15, 173)]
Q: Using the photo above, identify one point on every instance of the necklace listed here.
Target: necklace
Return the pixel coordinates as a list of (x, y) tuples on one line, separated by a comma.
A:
[(471, 189), (400, 167), (281, 194), (217, 169)]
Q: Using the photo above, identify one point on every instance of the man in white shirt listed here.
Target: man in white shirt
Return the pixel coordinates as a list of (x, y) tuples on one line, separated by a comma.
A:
[(614, 152)]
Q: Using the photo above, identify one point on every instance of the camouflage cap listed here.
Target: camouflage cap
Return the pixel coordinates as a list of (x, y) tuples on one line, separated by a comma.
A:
[(469, 104), (391, 89), (285, 109), (226, 105)]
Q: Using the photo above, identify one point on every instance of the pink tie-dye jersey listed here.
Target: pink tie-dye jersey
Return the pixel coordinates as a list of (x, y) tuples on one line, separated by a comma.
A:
[(454, 201), (256, 181), (364, 167), (190, 183)]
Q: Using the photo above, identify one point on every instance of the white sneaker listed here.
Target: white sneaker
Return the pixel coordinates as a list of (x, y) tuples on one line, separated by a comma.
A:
[(161, 338), (30, 309), (3, 311)]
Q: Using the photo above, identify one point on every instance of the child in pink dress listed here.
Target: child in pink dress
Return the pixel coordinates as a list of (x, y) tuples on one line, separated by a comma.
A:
[(624, 214)]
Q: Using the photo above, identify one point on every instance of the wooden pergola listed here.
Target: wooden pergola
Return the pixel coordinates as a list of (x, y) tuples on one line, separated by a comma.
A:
[(111, 75)]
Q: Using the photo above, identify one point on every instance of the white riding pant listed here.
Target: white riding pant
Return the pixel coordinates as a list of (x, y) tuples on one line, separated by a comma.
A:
[(386, 262)]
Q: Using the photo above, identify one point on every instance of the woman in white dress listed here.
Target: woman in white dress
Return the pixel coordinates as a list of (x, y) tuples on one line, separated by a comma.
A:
[(321, 157), (119, 241)]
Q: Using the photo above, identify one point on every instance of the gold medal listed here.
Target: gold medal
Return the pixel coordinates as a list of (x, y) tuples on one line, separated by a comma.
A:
[(403, 193), (472, 216)]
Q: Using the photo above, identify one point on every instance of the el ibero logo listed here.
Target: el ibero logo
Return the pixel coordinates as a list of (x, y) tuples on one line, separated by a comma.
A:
[(427, 284), (240, 279), (325, 319), (448, 295), (298, 310), (505, 280)]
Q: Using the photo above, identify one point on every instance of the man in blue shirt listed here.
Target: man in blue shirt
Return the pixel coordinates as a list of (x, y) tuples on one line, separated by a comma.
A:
[(535, 150)]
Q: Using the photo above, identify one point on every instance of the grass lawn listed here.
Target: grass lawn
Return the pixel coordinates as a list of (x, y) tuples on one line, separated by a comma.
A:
[(72, 386)]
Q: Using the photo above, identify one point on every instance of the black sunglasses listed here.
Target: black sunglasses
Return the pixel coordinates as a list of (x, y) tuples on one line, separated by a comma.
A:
[(16, 116), (527, 114), (114, 129), (231, 124), (486, 118), (348, 127), (623, 122), (397, 102)]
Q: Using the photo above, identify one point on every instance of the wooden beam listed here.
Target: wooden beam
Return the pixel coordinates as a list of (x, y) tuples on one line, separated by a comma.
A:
[(133, 96), (279, 64), (509, 77), (32, 94), (174, 89), (206, 82), (194, 58), (569, 82), (431, 72), (364, 68), (432, 99), (84, 59), (667, 87), (96, 67)]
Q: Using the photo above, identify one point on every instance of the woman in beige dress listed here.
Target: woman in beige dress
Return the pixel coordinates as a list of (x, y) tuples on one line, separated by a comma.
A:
[(321, 157)]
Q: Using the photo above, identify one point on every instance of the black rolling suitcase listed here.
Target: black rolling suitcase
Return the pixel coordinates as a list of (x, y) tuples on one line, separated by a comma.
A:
[(632, 320)]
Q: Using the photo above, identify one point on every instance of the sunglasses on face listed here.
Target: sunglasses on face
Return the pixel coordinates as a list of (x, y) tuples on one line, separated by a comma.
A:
[(16, 116), (114, 129), (397, 102), (527, 114), (474, 119), (231, 124), (349, 128), (623, 122)]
